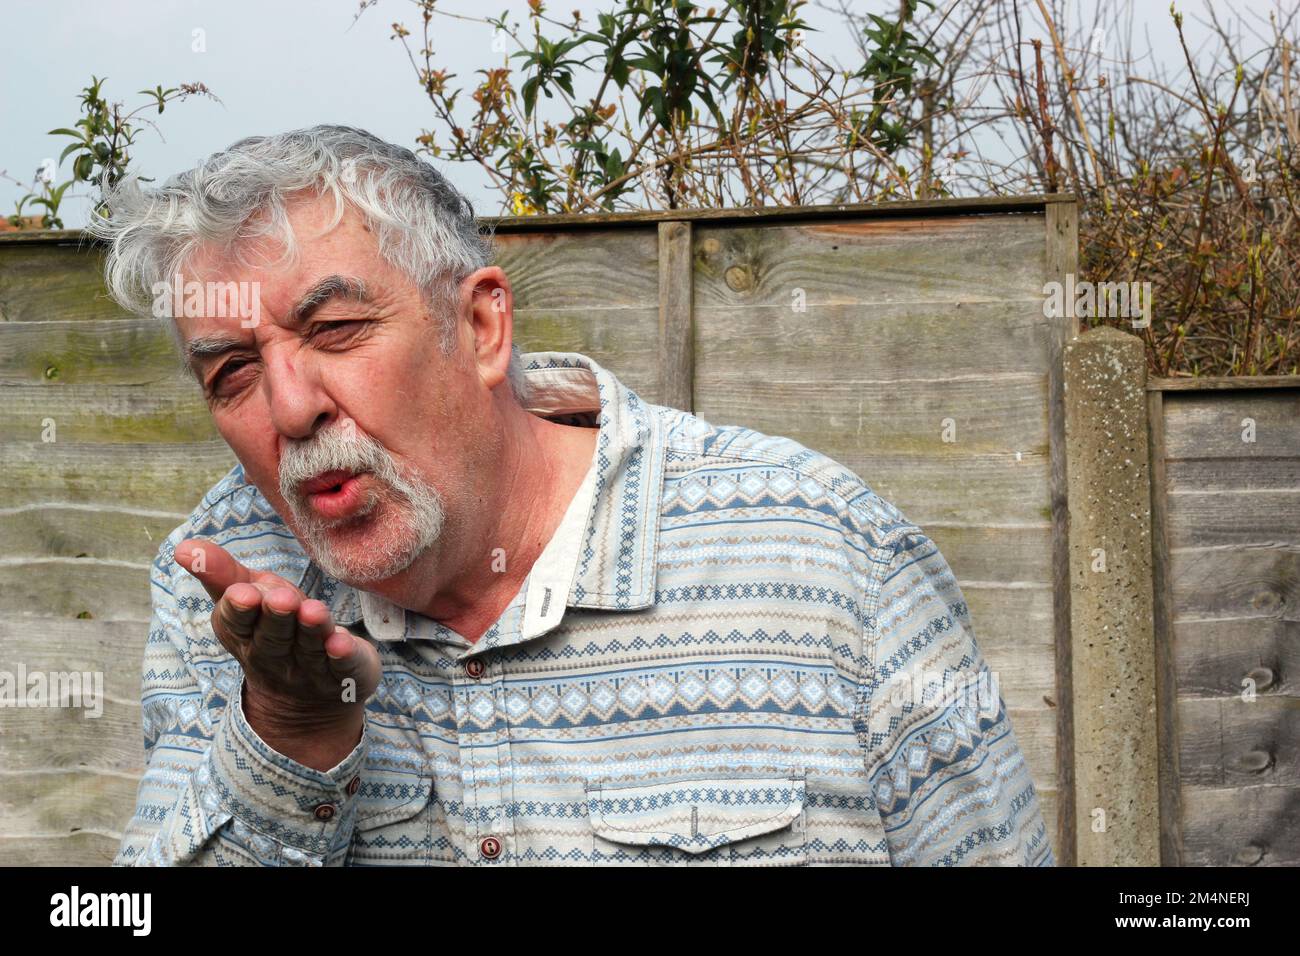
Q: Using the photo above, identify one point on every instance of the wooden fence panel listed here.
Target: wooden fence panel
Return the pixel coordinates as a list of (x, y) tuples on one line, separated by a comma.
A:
[(1232, 487), (903, 333)]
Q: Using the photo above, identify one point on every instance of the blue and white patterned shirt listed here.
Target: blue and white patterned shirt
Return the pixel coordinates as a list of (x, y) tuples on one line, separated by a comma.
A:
[(732, 651)]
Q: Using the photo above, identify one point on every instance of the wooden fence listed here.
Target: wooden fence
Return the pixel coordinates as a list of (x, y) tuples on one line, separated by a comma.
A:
[(1226, 468), (907, 341)]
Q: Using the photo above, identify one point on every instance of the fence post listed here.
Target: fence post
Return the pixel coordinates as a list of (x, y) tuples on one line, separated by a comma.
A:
[(1112, 633), (676, 316)]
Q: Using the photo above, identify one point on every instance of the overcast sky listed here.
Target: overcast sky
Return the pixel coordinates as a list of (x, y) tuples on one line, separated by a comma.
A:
[(282, 64)]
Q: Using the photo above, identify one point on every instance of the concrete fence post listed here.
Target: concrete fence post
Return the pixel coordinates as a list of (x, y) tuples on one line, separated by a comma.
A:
[(1111, 624)]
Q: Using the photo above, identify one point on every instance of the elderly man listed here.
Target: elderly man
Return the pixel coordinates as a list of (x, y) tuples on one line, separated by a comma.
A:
[(460, 606)]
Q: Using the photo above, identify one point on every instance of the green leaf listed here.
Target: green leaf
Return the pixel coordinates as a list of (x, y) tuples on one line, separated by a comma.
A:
[(620, 72), (614, 165), (530, 95), (651, 62)]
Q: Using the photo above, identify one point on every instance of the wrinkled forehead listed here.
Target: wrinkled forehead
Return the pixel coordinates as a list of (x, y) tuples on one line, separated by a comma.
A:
[(282, 257)]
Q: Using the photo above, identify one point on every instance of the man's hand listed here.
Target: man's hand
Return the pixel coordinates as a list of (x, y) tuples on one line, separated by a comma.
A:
[(296, 662)]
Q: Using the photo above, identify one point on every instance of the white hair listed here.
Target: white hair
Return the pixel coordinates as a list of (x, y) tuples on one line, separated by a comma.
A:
[(424, 226)]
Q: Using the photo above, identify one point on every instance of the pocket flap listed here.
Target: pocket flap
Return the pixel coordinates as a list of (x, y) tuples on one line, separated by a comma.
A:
[(386, 796), (695, 815)]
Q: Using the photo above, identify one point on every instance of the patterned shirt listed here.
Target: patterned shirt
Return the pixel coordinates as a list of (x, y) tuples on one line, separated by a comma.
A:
[(732, 651)]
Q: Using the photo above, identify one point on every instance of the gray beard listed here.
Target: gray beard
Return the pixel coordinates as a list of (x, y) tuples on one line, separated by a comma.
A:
[(411, 513)]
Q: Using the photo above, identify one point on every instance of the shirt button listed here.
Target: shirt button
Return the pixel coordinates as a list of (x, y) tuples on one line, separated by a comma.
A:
[(354, 785), (474, 667), (324, 811), (490, 848)]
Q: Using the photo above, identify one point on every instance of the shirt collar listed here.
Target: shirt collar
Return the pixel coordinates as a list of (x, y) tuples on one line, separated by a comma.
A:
[(603, 555)]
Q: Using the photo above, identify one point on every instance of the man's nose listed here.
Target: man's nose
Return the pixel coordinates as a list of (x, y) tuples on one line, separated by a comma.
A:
[(298, 401)]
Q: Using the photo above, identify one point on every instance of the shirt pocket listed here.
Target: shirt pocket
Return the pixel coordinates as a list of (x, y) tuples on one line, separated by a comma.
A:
[(707, 821), (394, 822)]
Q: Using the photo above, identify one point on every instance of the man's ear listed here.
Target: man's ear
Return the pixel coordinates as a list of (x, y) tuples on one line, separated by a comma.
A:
[(491, 315)]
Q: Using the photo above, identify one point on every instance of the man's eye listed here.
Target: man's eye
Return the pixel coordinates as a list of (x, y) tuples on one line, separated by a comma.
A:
[(339, 329), (230, 379)]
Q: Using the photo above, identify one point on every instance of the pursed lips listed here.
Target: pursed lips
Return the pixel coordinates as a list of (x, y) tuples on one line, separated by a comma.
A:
[(336, 496), (326, 481)]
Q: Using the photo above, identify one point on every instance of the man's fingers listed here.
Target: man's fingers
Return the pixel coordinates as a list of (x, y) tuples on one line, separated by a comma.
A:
[(314, 625), (211, 564), (236, 614), (278, 626), (352, 657)]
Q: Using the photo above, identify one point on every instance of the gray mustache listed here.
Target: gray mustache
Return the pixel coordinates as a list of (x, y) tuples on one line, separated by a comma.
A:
[(328, 451)]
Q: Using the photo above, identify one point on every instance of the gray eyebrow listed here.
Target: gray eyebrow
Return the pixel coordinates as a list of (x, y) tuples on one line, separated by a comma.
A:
[(206, 346), (345, 287)]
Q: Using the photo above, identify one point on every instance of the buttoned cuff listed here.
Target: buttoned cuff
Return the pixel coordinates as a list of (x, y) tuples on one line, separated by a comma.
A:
[(274, 795)]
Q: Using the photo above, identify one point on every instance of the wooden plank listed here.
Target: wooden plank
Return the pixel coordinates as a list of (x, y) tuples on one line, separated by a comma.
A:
[(1011, 555), (984, 205), (44, 281), (44, 739), (56, 806), (93, 531), (170, 478), (70, 818), (989, 490), (171, 411), (1242, 826), (676, 317), (1243, 516), (66, 352), (1215, 502), (1162, 611), (1210, 425), (1015, 617), (1062, 239), (1213, 658), (1261, 582), (1188, 476), (1229, 742), (950, 418), (939, 261), (1026, 675), (604, 269), (982, 478), (78, 847), (1222, 383), (843, 340), (70, 588)]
